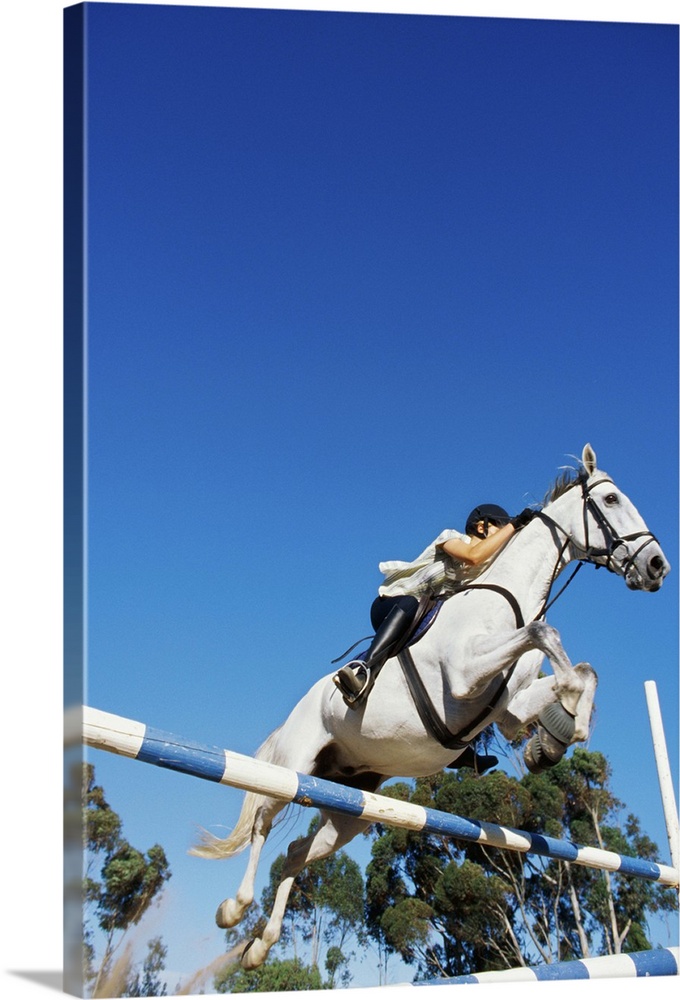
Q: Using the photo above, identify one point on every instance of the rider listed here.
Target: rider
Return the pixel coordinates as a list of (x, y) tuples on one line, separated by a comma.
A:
[(450, 560)]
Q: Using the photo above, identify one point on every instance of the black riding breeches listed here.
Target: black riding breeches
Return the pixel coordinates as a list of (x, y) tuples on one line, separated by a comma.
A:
[(382, 606)]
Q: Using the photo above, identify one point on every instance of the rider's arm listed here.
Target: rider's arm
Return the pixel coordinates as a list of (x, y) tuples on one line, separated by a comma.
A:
[(477, 551)]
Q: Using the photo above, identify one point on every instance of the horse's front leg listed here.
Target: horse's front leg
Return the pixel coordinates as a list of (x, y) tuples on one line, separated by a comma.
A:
[(488, 655), (565, 719), (562, 720), (529, 702), (558, 729), (526, 704), (574, 685)]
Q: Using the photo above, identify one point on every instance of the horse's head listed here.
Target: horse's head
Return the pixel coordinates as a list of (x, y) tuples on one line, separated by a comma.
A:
[(604, 528)]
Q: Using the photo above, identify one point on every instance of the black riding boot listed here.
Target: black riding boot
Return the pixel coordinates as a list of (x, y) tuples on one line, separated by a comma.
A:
[(357, 677)]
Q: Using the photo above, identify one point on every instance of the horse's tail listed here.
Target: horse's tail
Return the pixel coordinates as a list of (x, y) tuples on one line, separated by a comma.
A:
[(210, 846)]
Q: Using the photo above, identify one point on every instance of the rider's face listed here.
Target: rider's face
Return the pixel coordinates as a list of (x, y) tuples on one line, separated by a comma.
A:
[(491, 530)]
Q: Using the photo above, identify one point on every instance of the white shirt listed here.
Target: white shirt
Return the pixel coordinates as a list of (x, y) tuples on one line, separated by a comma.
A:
[(433, 570)]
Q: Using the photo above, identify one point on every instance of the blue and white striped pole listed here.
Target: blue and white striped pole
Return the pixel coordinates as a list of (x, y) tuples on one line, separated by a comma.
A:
[(641, 964), (136, 740)]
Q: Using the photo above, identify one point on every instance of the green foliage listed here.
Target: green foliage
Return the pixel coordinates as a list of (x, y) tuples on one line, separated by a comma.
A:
[(147, 983), (616, 908), (336, 962), (406, 926), (102, 824), (130, 881), (274, 976), (452, 908), (120, 885)]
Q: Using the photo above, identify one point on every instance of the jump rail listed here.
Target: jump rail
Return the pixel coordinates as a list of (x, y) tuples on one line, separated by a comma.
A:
[(155, 746), (640, 964)]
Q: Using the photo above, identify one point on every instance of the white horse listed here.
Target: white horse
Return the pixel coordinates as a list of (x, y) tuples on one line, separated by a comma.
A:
[(479, 662)]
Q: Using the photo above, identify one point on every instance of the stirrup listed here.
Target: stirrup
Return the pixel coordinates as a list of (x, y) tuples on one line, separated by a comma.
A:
[(353, 696)]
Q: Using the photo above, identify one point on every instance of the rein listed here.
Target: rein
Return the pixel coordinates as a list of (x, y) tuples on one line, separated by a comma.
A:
[(547, 603)]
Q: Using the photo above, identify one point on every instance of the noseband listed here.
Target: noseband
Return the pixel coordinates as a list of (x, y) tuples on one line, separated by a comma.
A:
[(612, 539)]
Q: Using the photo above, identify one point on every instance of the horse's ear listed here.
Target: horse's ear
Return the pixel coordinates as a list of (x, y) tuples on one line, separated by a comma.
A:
[(589, 460)]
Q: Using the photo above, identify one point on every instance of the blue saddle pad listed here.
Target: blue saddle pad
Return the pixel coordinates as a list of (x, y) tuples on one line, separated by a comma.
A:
[(427, 620), (419, 632), (421, 628)]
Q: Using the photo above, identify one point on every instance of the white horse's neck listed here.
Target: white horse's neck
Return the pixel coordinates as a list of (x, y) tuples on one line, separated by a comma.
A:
[(532, 559)]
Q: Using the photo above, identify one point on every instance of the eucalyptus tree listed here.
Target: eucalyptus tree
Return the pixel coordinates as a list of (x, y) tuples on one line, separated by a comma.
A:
[(450, 908), (119, 886)]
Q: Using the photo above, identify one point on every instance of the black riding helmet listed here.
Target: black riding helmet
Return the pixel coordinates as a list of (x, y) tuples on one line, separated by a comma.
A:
[(489, 513)]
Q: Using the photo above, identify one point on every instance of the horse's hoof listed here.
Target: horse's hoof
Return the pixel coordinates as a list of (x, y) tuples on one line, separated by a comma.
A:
[(254, 954), (229, 913), (547, 747), (558, 723), (534, 757)]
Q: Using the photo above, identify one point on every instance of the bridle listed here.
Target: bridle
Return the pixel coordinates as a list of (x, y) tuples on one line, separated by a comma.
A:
[(591, 553)]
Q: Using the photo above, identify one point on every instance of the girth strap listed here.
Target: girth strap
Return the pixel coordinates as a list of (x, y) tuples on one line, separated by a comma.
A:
[(426, 710)]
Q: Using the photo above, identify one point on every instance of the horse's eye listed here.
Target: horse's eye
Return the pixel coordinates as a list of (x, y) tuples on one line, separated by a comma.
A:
[(611, 499)]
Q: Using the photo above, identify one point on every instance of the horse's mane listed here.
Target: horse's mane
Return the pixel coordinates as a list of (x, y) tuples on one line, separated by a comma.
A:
[(567, 478)]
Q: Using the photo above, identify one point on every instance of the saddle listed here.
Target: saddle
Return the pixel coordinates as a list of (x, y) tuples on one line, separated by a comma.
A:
[(428, 608), (425, 616)]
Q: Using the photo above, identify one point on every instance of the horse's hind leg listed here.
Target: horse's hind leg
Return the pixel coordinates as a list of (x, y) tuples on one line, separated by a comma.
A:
[(230, 912), (333, 833)]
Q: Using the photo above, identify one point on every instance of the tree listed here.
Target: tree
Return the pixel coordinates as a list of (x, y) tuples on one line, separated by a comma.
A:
[(452, 908), (120, 885), (148, 983), (445, 917), (396, 920), (275, 975), (612, 909)]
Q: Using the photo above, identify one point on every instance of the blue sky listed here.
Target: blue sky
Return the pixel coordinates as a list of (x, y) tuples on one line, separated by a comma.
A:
[(349, 275)]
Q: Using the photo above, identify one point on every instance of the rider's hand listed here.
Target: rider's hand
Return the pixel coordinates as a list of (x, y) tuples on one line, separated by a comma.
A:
[(522, 519)]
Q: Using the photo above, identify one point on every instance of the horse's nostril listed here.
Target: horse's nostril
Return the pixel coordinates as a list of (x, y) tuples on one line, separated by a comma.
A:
[(657, 565)]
